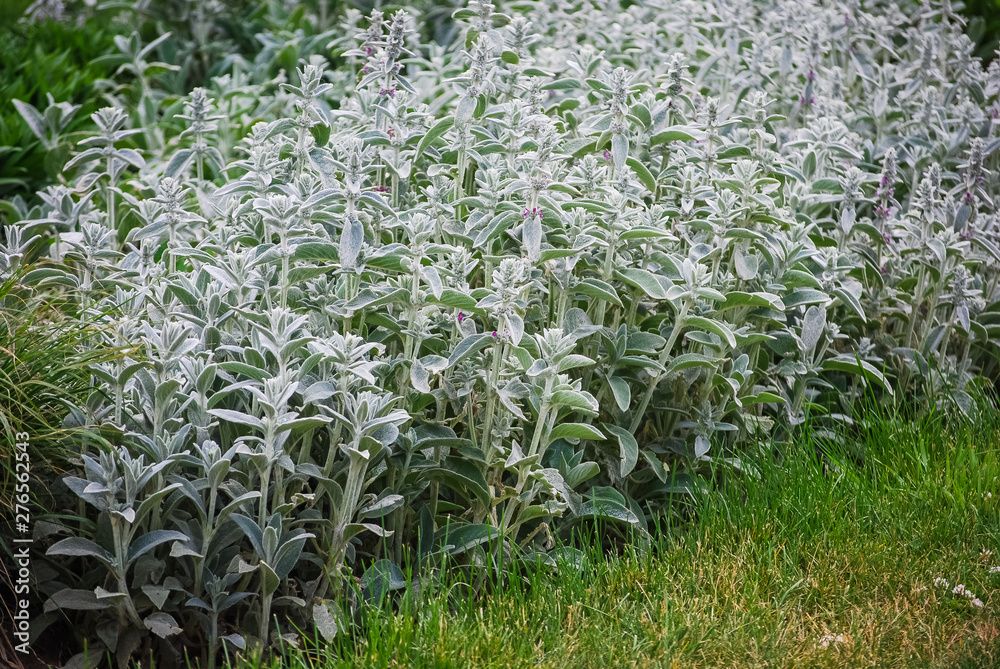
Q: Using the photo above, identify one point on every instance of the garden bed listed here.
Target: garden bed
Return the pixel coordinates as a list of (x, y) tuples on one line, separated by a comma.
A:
[(316, 306)]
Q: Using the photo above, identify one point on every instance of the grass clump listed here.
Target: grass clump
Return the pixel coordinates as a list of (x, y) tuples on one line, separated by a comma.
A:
[(45, 375)]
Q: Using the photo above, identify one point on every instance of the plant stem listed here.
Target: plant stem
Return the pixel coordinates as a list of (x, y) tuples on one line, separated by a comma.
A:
[(655, 379)]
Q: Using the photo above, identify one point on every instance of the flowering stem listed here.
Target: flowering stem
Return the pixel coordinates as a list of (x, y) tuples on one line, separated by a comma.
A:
[(459, 192), (284, 269), (111, 201), (543, 417), (654, 379), (499, 351)]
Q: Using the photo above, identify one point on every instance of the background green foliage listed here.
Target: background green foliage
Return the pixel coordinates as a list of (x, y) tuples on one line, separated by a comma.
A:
[(38, 60), (984, 26), (75, 60)]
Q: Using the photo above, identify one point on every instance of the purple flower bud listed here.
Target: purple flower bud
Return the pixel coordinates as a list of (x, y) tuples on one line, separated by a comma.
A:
[(461, 316), (884, 269), (811, 76), (494, 334)]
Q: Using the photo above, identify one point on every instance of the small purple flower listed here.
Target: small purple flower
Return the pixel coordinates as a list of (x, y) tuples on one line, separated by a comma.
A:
[(387, 92), (811, 76), (607, 155), (886, 238), (847, 20), (368, 51), (381, 189), (461, 316), (967, 235), (494, 334), (884, 269)]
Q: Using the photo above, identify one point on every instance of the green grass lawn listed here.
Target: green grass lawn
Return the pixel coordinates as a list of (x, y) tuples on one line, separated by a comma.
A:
[(820, 562)]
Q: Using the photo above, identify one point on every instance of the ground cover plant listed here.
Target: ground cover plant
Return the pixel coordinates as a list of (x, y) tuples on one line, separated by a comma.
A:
[(385, 304)]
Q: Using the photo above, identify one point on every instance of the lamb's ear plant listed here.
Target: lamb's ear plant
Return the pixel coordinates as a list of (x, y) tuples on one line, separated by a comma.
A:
[(447, 303)]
